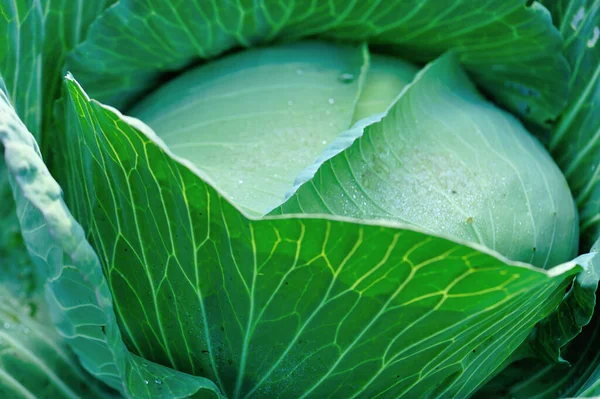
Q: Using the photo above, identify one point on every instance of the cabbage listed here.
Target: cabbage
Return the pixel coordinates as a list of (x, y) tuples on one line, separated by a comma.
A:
[(279, 199)]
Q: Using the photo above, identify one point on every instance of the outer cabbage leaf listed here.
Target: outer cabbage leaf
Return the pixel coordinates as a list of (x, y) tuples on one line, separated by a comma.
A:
[(35, 36), (575, 140), (574, 312), (76, 291), (578, 372), (575, 146), (35, 362), (511, 49), (291, 306)]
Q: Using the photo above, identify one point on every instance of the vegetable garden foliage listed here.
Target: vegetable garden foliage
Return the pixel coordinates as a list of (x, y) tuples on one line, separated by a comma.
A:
[(299, 199)]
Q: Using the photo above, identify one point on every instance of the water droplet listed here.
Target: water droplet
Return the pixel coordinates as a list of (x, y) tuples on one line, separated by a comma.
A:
[(299, 71), (157, 381), (346, 78), (290, 103), (241, 182), (144, 364), (26, 331), (579, 16), (595, 36), (7, 325), (331, 101), (324, 142), (146, 382)]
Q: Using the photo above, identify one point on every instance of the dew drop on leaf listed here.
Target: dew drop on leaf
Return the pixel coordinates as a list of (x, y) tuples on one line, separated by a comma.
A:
[(346, 78)]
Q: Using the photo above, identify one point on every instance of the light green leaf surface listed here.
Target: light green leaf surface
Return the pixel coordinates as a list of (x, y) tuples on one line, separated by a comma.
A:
[(386, 78), (448, 161), (288, 307), (575, 142), (35, 361), (76, 291), (253, 121), (510, 48)]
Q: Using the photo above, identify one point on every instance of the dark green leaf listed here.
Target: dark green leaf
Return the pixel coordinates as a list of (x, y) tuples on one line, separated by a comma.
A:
[(575, 141), (511, 49)]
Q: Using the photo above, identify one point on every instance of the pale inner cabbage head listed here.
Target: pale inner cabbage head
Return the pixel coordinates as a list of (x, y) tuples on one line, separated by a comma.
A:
[(452, 164)]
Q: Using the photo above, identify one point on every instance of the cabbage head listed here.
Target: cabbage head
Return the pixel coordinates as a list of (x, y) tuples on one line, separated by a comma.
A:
[(299, 199)]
